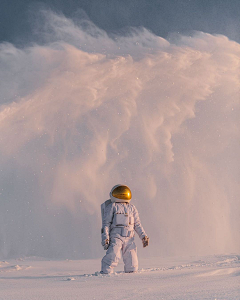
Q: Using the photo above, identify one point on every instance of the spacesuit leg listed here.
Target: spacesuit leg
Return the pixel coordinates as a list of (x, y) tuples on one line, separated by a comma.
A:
[(130, 255), (112, 257)]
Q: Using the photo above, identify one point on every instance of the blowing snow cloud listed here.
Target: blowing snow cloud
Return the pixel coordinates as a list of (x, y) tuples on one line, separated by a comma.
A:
[(83, 111)]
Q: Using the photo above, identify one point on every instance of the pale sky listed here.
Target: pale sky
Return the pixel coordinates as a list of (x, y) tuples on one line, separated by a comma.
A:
[(161, 17)]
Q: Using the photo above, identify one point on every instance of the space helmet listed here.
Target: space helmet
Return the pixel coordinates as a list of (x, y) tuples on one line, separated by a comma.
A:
[(120, 193)]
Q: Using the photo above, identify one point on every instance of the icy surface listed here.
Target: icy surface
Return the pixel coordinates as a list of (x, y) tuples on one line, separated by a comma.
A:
[(212, 277)]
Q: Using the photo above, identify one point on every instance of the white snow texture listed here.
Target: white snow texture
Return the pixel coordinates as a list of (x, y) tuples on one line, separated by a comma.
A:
[(211, 277)]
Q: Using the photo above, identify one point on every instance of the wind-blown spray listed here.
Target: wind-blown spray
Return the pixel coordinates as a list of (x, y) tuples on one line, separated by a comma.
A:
[(85, 111)]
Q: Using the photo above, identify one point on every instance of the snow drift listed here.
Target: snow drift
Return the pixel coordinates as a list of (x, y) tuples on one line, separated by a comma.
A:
[(83, 111)]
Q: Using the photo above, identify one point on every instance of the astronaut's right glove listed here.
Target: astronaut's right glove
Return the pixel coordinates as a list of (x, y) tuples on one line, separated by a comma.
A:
[(145, 241), (106, 244)]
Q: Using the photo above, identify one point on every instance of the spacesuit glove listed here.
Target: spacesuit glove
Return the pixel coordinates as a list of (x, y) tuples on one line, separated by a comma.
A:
[(106, 245), (145, 241)]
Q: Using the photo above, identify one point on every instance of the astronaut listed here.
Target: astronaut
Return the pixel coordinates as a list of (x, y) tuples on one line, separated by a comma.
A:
[(120, 220)]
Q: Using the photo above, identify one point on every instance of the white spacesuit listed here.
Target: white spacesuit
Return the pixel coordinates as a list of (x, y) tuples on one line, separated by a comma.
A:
[(119, 221)]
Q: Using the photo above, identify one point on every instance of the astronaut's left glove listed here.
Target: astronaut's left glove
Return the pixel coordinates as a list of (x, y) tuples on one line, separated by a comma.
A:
[(145, 241)]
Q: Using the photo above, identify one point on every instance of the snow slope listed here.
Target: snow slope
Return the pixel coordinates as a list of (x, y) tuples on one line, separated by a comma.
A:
[(212, 277)]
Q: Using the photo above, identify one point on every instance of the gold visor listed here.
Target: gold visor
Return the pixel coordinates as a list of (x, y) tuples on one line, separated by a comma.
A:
[(122, 192)]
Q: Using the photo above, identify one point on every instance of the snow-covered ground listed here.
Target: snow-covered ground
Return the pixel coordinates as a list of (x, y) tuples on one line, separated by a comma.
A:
[(211, 277)]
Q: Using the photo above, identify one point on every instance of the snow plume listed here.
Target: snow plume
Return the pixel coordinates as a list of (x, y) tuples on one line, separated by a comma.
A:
[(85, 111)]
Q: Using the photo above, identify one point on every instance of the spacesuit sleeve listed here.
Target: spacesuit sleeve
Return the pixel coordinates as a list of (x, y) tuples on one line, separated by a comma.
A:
[(137, 224), (107, 221)]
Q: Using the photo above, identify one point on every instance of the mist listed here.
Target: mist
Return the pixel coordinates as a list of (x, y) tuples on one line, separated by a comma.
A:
[(84, 110)]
